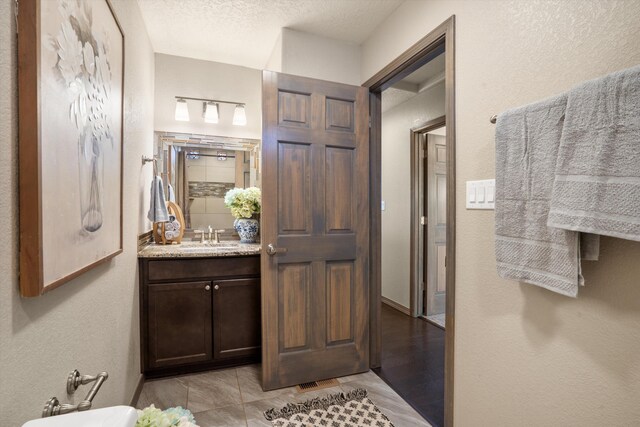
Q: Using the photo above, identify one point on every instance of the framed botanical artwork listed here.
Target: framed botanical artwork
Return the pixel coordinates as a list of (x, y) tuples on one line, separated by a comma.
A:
[(71, 80)]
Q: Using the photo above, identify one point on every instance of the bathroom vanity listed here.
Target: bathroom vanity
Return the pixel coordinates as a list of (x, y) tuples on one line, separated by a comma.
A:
[(199, 306)]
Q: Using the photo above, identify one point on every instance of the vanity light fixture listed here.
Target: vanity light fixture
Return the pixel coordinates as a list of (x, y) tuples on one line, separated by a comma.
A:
[(210, 110), (182, 110), (211, 114), (239, 116)]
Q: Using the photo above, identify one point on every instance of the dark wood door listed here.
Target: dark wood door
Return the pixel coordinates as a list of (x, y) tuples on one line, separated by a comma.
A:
[(179, 324), (315, 301), (236, 318)]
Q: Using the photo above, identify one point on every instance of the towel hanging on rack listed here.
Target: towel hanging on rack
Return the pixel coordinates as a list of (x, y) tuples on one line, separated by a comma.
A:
[(597, 178), (527, 140), (157, 206), (564, 179)]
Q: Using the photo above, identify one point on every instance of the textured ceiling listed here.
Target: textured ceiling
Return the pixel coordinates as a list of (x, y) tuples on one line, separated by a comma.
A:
[(244, 32)]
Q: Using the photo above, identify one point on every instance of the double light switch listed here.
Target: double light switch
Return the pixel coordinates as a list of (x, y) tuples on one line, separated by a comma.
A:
[(481, 194)]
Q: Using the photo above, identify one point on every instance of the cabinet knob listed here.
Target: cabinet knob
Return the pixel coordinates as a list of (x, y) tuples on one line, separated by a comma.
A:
[(216, 287), (207, 288)]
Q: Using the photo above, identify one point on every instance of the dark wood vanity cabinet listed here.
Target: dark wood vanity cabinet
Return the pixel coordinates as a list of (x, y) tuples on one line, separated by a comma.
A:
[(179, 323), (236, 318), (199, 313)]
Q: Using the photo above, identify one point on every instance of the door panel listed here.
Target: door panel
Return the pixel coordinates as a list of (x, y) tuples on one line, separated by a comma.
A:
[(339, 181), (340, 115), (293, 306), (436, 208), (315, 211), (340, 301), (294, 188)]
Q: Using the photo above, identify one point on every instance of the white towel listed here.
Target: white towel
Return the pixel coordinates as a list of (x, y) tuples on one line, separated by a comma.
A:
[(597, 181), (157, 206), (527, 142)]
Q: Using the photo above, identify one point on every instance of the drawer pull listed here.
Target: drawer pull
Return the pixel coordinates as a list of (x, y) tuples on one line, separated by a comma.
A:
[(216, 287), (207, 288)]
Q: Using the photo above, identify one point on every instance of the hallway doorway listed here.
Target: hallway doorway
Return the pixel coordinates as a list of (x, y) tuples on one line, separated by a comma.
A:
[(394, 284)]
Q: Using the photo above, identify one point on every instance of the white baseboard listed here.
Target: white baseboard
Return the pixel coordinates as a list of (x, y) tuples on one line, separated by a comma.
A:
[(401, 308)]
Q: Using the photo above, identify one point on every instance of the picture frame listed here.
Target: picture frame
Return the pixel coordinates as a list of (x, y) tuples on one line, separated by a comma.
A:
[(71, 102)]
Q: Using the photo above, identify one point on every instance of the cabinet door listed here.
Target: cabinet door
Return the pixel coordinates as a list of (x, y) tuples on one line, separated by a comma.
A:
[(236, 321), (179, 323)]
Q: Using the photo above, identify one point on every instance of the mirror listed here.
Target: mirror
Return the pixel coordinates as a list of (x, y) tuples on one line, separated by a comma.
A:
[(201, 169)]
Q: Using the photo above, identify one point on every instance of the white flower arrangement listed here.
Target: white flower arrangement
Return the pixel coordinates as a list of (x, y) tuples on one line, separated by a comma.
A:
[(243, 202), (172, 417)]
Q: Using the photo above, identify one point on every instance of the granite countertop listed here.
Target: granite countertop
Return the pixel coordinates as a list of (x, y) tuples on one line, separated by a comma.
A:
[(191, 249)]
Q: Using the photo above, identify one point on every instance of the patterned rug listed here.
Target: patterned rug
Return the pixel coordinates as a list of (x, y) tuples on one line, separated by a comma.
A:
[(353, 409)]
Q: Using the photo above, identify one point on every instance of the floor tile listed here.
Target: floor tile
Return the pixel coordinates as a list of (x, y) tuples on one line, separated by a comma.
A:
[(213, 389), (249, 379), (163, 394), (366, 375), (303, 397), (228, 416)]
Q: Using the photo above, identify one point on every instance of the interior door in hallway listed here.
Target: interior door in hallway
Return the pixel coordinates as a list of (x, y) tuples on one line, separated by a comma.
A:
[(436, 236), (314, 230)]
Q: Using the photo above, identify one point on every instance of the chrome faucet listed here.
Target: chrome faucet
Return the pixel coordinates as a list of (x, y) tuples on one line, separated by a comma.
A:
[(216, 235), (211, 231), (201, 234)]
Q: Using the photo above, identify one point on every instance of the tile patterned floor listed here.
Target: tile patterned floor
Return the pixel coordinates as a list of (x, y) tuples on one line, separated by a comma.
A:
[(233, 397)]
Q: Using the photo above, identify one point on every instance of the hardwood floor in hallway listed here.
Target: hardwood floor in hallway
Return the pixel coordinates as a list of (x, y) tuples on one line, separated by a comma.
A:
[(413, 362)]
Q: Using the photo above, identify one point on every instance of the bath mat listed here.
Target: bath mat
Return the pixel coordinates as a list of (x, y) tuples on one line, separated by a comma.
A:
[(353, 409)]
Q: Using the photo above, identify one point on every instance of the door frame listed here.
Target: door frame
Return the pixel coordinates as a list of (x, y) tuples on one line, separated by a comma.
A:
[(441, 38), (414, 261)]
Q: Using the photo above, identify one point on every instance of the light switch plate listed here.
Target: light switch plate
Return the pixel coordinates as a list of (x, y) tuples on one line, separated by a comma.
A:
[(383, 206), (481, 194)]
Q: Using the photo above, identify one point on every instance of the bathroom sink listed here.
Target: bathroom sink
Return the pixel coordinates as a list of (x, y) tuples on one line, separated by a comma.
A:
[(206, 248), (114, 416)]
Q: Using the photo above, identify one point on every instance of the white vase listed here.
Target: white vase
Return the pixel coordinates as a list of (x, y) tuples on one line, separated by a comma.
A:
[(247, 229)]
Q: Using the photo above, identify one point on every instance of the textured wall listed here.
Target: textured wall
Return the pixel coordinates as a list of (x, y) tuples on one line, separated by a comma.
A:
[(396, 187), (178, 76), (524, 355), (274, 63), (308, 55), (90, 323)]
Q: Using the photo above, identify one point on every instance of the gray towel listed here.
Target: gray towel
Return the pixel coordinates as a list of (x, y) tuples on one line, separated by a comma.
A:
[(527, 142), (171, 195), (158, 208), (597, 183)]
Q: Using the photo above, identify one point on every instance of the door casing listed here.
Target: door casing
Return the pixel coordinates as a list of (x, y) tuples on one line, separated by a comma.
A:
[(441, 39)]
